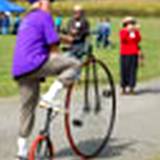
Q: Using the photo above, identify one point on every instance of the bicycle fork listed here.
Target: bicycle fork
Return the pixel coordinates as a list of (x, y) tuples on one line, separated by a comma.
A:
[(87, 106)]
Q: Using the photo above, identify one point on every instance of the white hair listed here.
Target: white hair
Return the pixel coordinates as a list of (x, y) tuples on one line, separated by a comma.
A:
[(35, 5)]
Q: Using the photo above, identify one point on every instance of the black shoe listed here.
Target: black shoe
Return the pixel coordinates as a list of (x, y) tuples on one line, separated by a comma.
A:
[(77, 123), (132, 92), (123, 91)]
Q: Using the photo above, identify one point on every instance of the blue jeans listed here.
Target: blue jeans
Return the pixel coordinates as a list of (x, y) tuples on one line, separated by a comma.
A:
[(5, 30)]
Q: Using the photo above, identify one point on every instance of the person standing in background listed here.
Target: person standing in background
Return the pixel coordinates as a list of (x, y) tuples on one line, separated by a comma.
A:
[(79, 28), (130, 38), (5, 23), (58, 21), (103, 33), (1, 17), (98, 33), (16, 24)]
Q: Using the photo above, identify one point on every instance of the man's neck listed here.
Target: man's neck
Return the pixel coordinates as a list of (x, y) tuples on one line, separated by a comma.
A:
[(45, 10), (38, 6)]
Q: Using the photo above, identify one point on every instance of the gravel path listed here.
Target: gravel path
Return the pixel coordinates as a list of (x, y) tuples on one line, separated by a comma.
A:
[(136, 135)]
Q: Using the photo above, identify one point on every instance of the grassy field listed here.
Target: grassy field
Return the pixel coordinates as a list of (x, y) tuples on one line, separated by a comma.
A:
[(156, 158), (110, 7), (151, 47), (120, 8)]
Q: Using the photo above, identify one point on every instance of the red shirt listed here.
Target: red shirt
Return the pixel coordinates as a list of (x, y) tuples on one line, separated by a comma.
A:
[(129, 42)]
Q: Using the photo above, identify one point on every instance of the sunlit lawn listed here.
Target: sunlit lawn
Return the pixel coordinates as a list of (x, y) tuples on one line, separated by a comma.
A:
[(151, 47)]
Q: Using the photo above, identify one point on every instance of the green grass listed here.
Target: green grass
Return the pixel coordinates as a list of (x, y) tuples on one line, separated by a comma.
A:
[(156, 158), (109, 7), (7, 86), (151, 47)]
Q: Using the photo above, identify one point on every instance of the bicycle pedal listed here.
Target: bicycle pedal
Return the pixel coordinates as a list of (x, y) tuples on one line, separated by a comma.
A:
[(56, 109), (77, 123), (107, 93), (44, 105)]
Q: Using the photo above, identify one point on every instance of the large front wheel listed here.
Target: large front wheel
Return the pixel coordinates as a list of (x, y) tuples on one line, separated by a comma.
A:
[(91, 103)]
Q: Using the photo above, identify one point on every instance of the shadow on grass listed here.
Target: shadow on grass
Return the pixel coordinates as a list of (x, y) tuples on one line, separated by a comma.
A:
[(114, 149)]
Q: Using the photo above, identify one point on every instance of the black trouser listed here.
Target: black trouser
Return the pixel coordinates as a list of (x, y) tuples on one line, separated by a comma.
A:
[(129, 66)]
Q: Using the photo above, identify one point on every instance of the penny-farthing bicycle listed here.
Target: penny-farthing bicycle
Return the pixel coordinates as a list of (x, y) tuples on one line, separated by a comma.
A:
[(90, 111)]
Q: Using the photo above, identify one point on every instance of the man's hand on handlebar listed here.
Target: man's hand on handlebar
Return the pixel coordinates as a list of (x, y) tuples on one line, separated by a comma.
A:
[(66, 39)]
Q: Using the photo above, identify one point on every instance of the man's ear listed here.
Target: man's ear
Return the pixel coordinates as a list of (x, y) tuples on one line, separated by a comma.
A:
[(36, 5)]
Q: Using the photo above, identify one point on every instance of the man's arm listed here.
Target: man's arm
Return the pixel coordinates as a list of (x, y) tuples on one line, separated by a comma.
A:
[(86, 30), (138, 36), (66, 39)]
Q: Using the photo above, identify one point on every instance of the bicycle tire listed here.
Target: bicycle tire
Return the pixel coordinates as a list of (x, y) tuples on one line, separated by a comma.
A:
[(37, 146), (112, 117)]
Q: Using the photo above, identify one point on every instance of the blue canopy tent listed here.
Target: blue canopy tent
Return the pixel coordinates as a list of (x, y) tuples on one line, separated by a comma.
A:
[(7, 6)]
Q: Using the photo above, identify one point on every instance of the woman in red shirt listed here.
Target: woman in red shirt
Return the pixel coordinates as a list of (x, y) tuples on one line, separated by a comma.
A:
[(129, 52)]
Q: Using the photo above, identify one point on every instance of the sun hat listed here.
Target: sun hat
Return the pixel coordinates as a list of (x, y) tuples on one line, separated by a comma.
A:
[(128, 19)]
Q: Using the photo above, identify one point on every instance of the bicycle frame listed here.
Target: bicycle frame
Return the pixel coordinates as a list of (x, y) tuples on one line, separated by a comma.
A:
[(49, 118)]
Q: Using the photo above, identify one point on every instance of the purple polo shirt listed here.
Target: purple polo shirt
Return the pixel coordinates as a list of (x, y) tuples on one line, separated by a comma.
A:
[(35, 35)]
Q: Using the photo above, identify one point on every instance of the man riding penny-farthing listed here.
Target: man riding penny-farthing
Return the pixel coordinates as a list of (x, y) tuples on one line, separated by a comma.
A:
[(36, 56)]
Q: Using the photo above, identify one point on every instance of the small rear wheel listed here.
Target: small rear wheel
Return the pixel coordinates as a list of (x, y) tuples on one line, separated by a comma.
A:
[(41, 149)]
